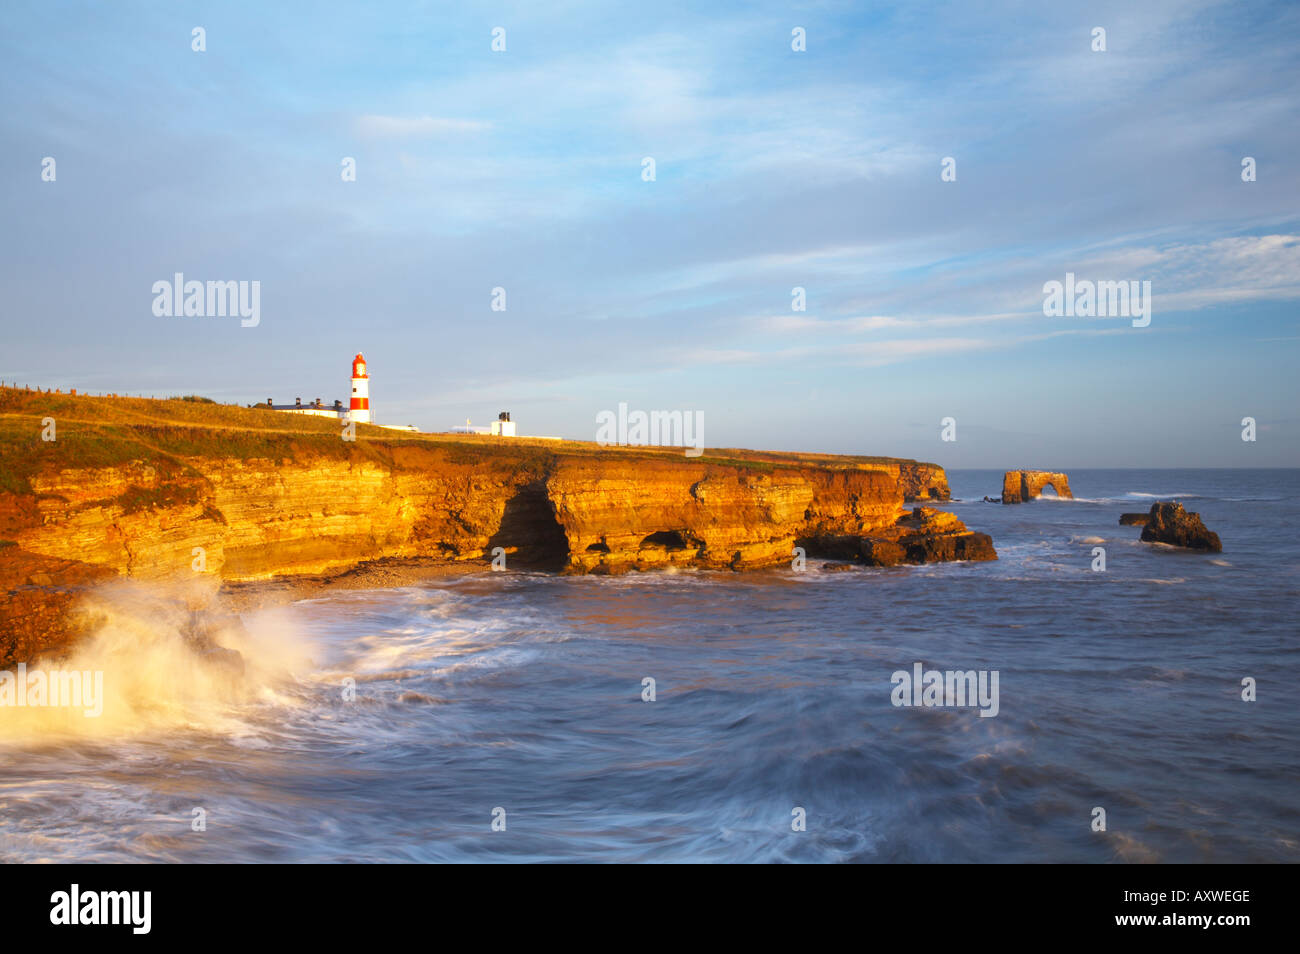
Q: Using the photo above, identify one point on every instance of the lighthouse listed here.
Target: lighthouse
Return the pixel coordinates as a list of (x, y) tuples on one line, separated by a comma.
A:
[(359, 409)]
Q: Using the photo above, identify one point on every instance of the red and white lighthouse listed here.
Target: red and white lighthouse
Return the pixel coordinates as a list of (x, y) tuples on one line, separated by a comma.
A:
[(359, 409)]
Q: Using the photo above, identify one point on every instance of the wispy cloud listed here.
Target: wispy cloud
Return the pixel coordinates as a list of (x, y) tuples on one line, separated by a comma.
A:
[(414, 127)]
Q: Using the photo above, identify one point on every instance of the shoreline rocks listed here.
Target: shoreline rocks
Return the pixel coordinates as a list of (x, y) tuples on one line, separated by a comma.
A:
[(1133, 520), (925, 535)]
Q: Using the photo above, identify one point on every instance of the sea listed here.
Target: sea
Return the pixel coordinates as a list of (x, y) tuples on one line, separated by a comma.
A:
[(1146, 709)]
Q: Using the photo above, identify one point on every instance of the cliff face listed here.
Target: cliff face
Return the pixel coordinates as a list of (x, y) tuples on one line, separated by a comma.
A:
[(252, 519), (619, 516), (243, 520), (921, 482), (248, 505)]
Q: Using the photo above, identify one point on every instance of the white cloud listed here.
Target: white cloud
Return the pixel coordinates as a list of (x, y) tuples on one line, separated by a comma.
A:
[(406, 127)]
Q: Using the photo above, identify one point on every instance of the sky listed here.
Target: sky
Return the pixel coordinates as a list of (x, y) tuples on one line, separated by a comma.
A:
[(774, 169)]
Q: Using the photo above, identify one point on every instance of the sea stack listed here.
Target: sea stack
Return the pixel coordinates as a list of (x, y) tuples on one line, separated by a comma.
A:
[(1020, 486), (1170, 523)]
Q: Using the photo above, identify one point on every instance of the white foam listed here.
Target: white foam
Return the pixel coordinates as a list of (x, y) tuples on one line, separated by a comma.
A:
[(153, 678)]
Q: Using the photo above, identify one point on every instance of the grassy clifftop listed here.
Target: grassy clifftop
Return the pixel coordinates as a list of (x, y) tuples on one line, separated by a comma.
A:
[(111, 431)]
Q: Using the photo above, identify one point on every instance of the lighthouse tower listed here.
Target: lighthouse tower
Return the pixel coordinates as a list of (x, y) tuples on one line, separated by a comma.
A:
[(359, 409)]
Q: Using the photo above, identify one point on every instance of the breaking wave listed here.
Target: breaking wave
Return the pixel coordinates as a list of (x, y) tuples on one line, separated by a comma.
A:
[(149, 669)]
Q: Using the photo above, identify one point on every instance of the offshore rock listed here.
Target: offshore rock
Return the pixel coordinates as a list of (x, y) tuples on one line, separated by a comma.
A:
[(1170, 523), (1021, 486)]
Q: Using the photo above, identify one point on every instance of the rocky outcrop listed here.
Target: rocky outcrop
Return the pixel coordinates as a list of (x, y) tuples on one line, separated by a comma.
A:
[(38, 602), (921, 482), (1020, 486), (924, 535), (1170, 523), (1132, 520)]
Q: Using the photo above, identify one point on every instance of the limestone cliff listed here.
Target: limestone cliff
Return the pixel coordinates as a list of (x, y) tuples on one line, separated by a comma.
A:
[(173, 502), (619, 514), (253, 519)]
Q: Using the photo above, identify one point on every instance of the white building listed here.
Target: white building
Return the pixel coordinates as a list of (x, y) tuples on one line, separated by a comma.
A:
[(501, 427)]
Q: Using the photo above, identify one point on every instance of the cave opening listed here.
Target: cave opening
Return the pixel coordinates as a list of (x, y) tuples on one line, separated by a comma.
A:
[(530, 531), (669, 539)]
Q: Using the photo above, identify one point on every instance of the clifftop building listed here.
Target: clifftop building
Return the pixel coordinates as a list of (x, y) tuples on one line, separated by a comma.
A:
[(501, 427)]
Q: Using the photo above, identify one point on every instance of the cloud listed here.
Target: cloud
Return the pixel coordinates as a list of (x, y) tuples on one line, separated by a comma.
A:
[(410, 127), (803, 324)]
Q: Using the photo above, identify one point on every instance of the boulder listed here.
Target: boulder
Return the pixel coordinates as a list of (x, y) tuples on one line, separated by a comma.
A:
[(1132, 520), (1170, 523)]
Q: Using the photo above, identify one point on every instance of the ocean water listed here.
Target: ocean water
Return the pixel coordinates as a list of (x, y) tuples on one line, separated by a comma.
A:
[(523, 692)]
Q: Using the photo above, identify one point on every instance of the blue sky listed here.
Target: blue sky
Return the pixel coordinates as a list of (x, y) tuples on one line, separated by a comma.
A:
[(774, 169)]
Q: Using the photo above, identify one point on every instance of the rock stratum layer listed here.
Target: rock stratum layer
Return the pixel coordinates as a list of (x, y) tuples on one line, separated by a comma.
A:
[(273, 503), (1020, 486)]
